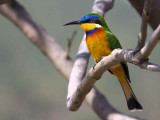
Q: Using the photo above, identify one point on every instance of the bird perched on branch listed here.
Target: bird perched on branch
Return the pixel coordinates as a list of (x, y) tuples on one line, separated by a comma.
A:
[(101, 42)]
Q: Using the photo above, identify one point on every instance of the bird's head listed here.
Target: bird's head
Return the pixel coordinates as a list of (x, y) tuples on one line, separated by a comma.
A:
[(90, 22)]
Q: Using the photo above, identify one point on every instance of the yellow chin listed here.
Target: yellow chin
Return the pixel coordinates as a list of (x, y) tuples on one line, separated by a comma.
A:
[(87, 26)]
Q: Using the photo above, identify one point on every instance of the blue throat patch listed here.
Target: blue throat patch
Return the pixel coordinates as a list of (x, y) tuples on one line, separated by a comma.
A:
[(91, 31)]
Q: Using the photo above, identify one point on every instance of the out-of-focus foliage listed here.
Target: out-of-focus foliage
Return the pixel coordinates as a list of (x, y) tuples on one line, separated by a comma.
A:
[(32, 89)]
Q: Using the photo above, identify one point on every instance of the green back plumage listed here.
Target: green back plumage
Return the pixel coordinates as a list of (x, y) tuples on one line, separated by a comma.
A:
[(113, 42)]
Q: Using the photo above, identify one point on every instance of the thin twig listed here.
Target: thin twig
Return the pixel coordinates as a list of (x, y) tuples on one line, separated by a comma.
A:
[(150, 66), (147, 49), (143, 32), (70, 44)]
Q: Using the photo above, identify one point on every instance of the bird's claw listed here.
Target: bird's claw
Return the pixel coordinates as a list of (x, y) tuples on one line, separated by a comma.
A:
[(139, 61), (135, 51)]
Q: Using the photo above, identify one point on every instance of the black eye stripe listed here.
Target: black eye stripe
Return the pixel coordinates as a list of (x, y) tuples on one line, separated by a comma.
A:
[(89, 21), (98, 22), (92, 21)]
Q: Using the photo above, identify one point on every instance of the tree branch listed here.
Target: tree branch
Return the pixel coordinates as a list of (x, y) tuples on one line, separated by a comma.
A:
[(70, 40), (147, 49), (19, 16), (145, 17), (150, 66), (102, 6)]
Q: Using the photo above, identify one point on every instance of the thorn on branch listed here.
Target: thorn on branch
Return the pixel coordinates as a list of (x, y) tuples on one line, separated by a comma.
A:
[(70, 40)]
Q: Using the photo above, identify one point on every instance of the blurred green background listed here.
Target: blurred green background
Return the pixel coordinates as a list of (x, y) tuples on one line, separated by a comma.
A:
[(32, 89)]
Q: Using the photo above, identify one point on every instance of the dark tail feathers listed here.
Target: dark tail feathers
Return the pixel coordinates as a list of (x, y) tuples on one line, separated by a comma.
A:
[(133, 104)]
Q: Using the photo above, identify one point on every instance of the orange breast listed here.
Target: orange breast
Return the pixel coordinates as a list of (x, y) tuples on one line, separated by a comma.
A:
[(97, 43), (98, 46)]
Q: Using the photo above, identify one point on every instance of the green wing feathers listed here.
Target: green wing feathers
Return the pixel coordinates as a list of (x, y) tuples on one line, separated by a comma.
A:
[(114, 44), (125, 67)]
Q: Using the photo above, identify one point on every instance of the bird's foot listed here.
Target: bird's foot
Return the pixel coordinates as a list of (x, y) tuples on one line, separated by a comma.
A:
[(139, 61), (135, 51)]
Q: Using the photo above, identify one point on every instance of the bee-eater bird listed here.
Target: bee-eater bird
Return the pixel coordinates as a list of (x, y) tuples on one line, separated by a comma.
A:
[(101, 42)]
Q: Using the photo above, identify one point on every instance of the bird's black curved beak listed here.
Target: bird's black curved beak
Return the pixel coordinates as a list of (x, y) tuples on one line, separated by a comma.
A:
[(73, 23)]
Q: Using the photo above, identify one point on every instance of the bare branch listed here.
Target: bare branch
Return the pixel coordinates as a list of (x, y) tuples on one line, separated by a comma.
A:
[(145, 17), (19, 16), (79, 68), (150, 66), (147, 49), (70, 44), (102, 6)]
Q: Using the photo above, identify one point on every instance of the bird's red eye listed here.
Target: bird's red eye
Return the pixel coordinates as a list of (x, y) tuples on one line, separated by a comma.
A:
[(90, 20)]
